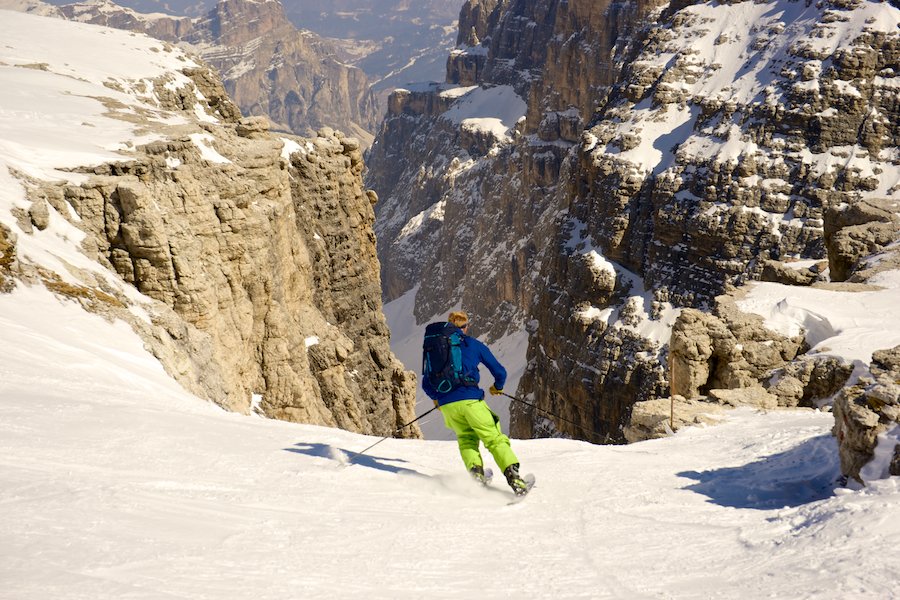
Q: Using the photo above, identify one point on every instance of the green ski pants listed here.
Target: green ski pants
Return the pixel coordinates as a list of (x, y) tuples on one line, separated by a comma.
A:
[(473, 421)]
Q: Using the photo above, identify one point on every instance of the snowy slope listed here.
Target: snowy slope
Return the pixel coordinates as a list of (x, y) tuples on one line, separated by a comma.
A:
[(115, 483), (848, 325), (74, 95)]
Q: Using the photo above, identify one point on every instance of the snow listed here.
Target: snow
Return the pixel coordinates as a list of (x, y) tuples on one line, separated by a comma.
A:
[(599, 264), (291, 146), (879, 466), (470, 51), (853, 158), (85, 10), (457, 92), (117, 483), (799, 265), (592, 313), (435, 212), (731, 149), (775, 27), (739, 54), (848, 325), (255, 402), (647, 317), (494, 110), (658, 134), (34, 7), (53, 117), (87, 53), (420, 87), (204, 142)]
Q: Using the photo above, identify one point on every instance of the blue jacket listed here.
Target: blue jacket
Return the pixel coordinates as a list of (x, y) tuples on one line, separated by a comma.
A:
[(473, 354)]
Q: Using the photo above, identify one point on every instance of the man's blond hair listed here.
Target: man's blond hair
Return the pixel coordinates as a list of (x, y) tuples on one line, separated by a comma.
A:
[(458, 318)]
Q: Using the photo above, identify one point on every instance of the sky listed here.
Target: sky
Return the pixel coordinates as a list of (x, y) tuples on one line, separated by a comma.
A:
[(117, 483)]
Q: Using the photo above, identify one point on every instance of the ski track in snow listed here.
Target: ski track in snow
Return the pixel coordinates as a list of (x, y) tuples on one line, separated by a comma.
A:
[(115, 483)]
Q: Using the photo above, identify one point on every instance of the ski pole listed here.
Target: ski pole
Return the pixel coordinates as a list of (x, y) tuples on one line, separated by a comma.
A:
[(591, 432), (396, 431)]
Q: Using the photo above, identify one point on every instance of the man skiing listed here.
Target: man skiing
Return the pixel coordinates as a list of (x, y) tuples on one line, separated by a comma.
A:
[(461, 400)]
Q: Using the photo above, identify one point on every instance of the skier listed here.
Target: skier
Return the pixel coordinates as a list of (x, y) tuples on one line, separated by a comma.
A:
[(461, 401)]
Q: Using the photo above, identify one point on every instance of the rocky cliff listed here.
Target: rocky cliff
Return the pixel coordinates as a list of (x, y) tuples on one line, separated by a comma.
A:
[(661, 156), (468, 171), (245, 259), (268, 66), (724, 152)]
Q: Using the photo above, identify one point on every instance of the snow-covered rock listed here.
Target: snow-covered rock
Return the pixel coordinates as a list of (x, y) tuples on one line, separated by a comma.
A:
[(476, 203), (662, 417), (132, 185), (867, 420)]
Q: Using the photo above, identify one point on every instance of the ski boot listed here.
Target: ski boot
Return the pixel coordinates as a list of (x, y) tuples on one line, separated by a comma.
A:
[(478, 474), (519, 486)]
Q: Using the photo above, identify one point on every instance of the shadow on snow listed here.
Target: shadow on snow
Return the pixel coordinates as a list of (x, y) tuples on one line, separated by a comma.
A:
[(803, 474), (364, 460)]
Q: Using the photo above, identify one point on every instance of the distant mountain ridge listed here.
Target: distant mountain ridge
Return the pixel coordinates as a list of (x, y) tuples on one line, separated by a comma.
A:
[(405, 40), (393, 41), (295, 78)]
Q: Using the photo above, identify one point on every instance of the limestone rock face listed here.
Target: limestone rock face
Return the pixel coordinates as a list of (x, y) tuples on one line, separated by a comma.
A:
[(268, 66), (664, 157), (653, 419), (709, 222), (724, 357), (858, 230), (466, 213), (725, 349), (293, 77), (661, 417), (749, 396), (867, 410), (778, 272), (7, 258), (809, 380), (477, 19), (686, 188), (258, 254)]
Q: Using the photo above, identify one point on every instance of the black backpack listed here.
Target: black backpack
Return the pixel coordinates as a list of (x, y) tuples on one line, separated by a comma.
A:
[(442, 357)]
